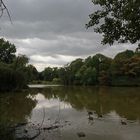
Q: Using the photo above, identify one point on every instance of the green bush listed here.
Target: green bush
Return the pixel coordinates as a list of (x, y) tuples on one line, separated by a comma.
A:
[(11, 80)]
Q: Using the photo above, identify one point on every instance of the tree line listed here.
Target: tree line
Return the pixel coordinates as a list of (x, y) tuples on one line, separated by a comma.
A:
[(123, 70), (16, 73), (117, 21)]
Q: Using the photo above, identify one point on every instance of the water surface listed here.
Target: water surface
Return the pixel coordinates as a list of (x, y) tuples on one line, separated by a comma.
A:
[(66, 113)]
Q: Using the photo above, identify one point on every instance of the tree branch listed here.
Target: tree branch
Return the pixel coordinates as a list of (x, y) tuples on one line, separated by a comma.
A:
[(2, 8)]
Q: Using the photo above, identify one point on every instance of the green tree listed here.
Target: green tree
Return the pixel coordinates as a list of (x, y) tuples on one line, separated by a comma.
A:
[(55, 72), (11, 79), (124, 55), (90, 75), (14, 71), (119, 61), (48, 74), (80, 75), (64, 74), (20, 62), (101, 63), (73, 68), (7, 51), (32, 73), (116, 20)]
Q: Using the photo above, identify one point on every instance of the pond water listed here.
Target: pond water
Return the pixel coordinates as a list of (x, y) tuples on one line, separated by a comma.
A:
[(66, 113)]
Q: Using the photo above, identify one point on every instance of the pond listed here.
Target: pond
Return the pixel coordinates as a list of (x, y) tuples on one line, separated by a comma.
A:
[(66, 113)]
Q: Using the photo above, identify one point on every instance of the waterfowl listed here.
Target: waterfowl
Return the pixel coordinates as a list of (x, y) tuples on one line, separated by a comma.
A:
[(81, 134), (90, 113), (123, 122), (100, 116), (90, 118)]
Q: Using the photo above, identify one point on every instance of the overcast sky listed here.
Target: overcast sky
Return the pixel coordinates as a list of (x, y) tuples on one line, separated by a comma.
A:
[(52, 32)]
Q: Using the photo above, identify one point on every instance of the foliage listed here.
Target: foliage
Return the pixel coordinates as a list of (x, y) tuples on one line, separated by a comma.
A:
[(11, 79), (32, 73), (81, 72), (7, 51), (15, 73), (124, 69), (49, 74), (116, 20), (124, 55)]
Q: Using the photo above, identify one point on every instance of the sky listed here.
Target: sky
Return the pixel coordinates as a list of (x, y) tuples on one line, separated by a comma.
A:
[(52, 32)]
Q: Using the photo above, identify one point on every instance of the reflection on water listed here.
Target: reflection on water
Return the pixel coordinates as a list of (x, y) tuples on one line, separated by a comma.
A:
[(100, 113)]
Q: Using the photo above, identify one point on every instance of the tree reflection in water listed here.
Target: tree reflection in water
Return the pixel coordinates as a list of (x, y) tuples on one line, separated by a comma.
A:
[(101, 100), (14, 109), (69, 103)]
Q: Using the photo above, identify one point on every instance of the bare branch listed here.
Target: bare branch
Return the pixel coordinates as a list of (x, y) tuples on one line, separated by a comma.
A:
[(2, 8)]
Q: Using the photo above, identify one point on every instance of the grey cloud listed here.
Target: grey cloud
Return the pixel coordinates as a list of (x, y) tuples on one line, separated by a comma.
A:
[(39, 29), (56, 61), (113, 50), (52, 32), (42, 10), (61, 45), (39, 18)]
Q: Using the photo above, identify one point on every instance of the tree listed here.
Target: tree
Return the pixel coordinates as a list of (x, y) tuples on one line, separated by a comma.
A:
[(116, 20), (11, 79), (90, 75), (64, 75), (73, 68), (20, 61), (15, 73), (48, 74), (32, 73), (124, 55), (7, 51)]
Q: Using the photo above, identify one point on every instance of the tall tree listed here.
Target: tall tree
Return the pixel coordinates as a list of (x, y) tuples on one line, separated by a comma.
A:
[(7, 51), (116, 20)]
